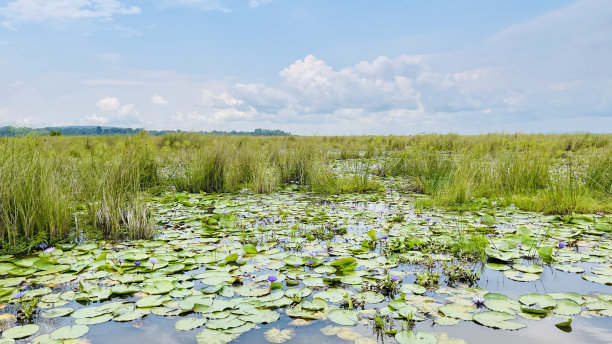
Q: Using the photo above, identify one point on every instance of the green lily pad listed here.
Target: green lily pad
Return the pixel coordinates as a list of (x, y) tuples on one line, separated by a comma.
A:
[(567, 307), (520, 276), (19, 332), (188, 324), (410, 337), (208, 336), (69, 332), (57, 312), (542, 301), (496, 319), (343, 317)]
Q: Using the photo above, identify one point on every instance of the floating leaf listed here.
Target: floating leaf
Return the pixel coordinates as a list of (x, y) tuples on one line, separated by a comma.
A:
[(208, 336), (497, 320), (410, 337), (187, 324), (275, 335), (19, 332), (69, 332), (57, 312), (343, 317)]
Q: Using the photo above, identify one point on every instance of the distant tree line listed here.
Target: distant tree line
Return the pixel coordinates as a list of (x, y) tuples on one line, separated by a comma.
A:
[(109, 131)]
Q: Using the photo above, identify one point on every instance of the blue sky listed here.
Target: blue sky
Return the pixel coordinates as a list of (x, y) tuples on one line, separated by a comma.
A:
[(310, 67)]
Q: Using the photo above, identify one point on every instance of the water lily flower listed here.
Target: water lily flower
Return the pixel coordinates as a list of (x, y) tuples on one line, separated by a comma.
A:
[(272, 279), (385, 237), (120, 260), (296, 265), (42, 246), (50, 250), (312, 254), (310, 262), (489, 235), (561, 244), (153, 261), (494, 203), (317, 204), (137, 263), (512, 205), (427, 219), (19, 295), (434, 223), (478, 301), (394, 278), (599, 213), (520, 245)]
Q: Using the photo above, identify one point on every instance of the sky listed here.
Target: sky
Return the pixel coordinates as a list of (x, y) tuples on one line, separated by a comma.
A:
[(311, 67)]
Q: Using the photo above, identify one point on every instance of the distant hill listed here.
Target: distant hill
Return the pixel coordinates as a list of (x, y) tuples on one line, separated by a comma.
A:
[(106, 131)]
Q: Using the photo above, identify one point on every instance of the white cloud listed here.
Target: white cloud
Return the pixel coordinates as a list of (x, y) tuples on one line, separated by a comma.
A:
[(257, 3), (205, 5), (108, 104), (128, 110), (94, 119), (43, 10), (159, 100)]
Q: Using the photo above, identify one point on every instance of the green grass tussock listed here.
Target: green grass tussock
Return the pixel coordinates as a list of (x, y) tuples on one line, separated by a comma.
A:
[(58, 188)]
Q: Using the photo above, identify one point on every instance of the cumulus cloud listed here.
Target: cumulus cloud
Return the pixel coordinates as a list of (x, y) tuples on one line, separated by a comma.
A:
[(43, 10), (94, 119), (114, 114), (159, 100), (108, 104)]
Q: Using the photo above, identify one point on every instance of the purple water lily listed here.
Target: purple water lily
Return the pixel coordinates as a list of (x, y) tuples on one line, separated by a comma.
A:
[(42, 246), (272, 279), (561, 244), (478, 301), (120, 260), (310, 262), (137, 263), (19, 295), (394, 278), (489, 235), (50, 250)]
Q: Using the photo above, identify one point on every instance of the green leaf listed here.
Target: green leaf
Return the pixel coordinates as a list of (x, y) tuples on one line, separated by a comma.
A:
[(69, 332), (208, 336), (345, 264), (57, 312), (343, 317), (410, 337), (188, 324), (496, 319), (19, 332), (546, 254), (250, 249)]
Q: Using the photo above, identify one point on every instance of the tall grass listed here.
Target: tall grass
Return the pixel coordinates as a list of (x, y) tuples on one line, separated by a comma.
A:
[(52, 188)]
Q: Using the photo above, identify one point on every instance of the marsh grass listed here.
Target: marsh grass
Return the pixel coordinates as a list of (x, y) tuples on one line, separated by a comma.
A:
[(51, 185)]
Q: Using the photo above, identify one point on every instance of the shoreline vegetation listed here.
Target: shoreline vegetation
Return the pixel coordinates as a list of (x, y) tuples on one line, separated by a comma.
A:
[(60, 188)]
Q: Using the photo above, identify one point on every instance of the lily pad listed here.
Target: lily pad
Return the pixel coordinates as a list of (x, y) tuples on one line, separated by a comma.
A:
[(496, 319), (343, 317), (69, 332), (19, 332)]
